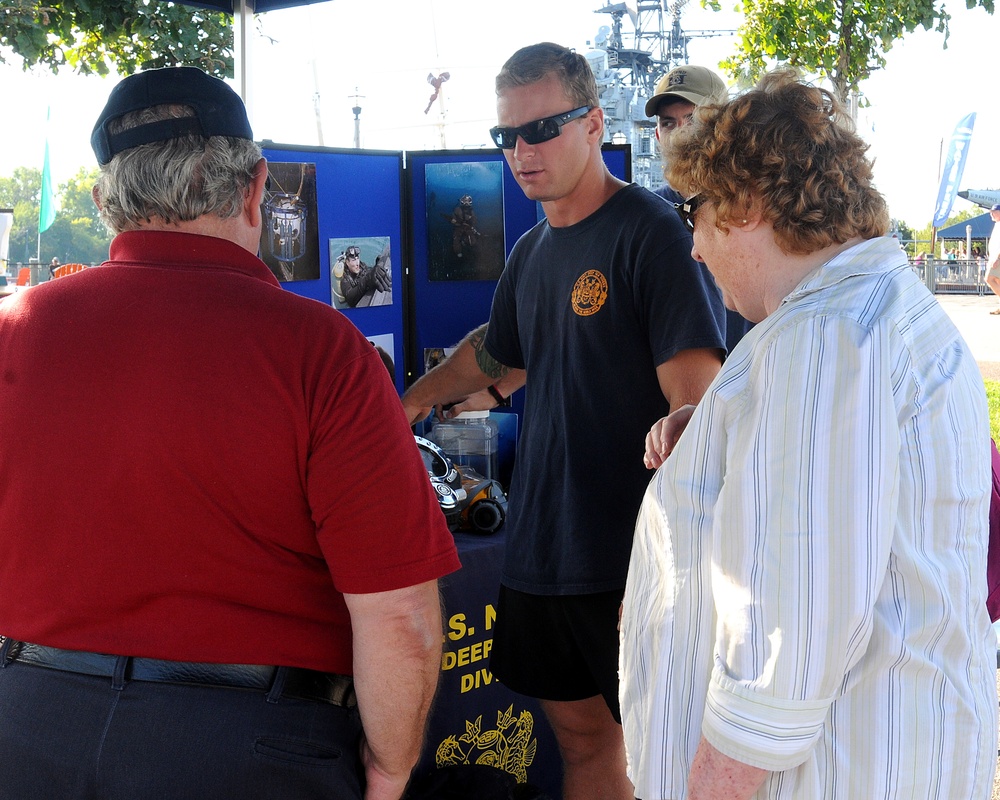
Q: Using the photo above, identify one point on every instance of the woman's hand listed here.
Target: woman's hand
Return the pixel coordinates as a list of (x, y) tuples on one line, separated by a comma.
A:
[(663, 436)]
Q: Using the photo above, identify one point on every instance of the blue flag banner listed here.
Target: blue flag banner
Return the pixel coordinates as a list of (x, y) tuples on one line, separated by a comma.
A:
[(954, 166), (47, 206)]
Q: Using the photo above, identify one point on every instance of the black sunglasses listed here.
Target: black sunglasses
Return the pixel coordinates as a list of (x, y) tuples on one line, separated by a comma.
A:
[(686, 210), (536, 131)]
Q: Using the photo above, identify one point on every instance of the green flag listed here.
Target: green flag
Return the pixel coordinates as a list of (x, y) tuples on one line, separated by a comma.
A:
[(47, 208)]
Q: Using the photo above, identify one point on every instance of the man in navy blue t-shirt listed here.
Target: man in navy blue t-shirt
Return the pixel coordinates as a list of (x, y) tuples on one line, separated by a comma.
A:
[(603, 308)]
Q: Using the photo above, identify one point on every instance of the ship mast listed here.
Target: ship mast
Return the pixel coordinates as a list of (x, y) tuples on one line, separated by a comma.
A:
[(627, 71)]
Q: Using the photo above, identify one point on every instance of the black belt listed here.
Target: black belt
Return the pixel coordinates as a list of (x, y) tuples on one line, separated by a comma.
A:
[(278, 682)]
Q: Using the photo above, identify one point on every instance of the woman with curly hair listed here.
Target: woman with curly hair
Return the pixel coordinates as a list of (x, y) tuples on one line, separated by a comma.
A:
[(805, 613)]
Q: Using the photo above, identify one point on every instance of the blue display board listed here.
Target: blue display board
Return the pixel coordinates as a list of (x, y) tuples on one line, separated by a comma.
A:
[(358, 202), (325, 202)]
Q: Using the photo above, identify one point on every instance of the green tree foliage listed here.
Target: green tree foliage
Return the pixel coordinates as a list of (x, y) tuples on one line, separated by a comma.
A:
[(77, 235), (21, 192), (923, 235), (904, 233), (845, 41), (91, 36)]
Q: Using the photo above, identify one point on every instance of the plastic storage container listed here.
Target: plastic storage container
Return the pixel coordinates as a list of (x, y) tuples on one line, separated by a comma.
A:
[(470, 439)]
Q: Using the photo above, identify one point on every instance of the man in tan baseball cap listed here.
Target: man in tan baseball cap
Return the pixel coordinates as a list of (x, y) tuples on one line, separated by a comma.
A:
[(677, 94)]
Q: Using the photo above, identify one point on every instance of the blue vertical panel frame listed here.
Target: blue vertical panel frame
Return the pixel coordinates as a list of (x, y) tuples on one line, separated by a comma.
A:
[(444, 311), (358, 193)]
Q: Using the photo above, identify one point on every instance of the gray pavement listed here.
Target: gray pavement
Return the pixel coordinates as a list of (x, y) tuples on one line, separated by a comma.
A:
[(971, 315)]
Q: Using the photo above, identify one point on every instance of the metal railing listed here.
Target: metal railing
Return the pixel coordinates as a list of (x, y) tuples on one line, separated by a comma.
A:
[(953, 276), (39, 272), (941, 276)]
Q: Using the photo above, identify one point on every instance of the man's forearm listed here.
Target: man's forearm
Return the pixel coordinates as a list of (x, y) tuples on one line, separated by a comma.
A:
[(455, 377), (511, 382), (467, 370), (484, 400), (488, 365), (397, 660), (685, 377)]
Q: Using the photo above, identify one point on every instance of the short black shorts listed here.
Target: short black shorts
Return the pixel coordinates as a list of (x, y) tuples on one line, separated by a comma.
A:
[(558, 647)]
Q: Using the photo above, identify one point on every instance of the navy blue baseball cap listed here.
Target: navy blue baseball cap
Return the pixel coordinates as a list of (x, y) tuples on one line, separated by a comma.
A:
[(218, 110)]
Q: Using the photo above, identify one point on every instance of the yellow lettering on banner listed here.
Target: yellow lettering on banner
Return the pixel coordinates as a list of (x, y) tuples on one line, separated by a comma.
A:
[(474, 680), (466, 655), (458, 628)]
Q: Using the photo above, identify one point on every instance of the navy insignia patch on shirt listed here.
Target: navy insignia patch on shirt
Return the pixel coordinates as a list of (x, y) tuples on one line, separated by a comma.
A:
[(589, 293)]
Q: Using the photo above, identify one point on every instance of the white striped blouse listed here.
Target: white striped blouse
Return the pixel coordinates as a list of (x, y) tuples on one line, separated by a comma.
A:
[(808, 577)]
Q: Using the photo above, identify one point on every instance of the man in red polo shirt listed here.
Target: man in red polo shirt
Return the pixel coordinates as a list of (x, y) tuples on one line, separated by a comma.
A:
[(212, 581)]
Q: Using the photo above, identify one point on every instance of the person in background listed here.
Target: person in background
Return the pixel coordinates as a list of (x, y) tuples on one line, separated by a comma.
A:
[(677, 95), (53, 265), (229, 591), (614, 323), (993, 256), (805, 615)]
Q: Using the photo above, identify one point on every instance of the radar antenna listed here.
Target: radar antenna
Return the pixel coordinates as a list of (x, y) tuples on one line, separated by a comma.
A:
[(627, 73)]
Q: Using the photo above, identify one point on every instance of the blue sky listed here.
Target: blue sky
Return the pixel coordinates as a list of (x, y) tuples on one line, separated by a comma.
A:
[(384, 52)]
